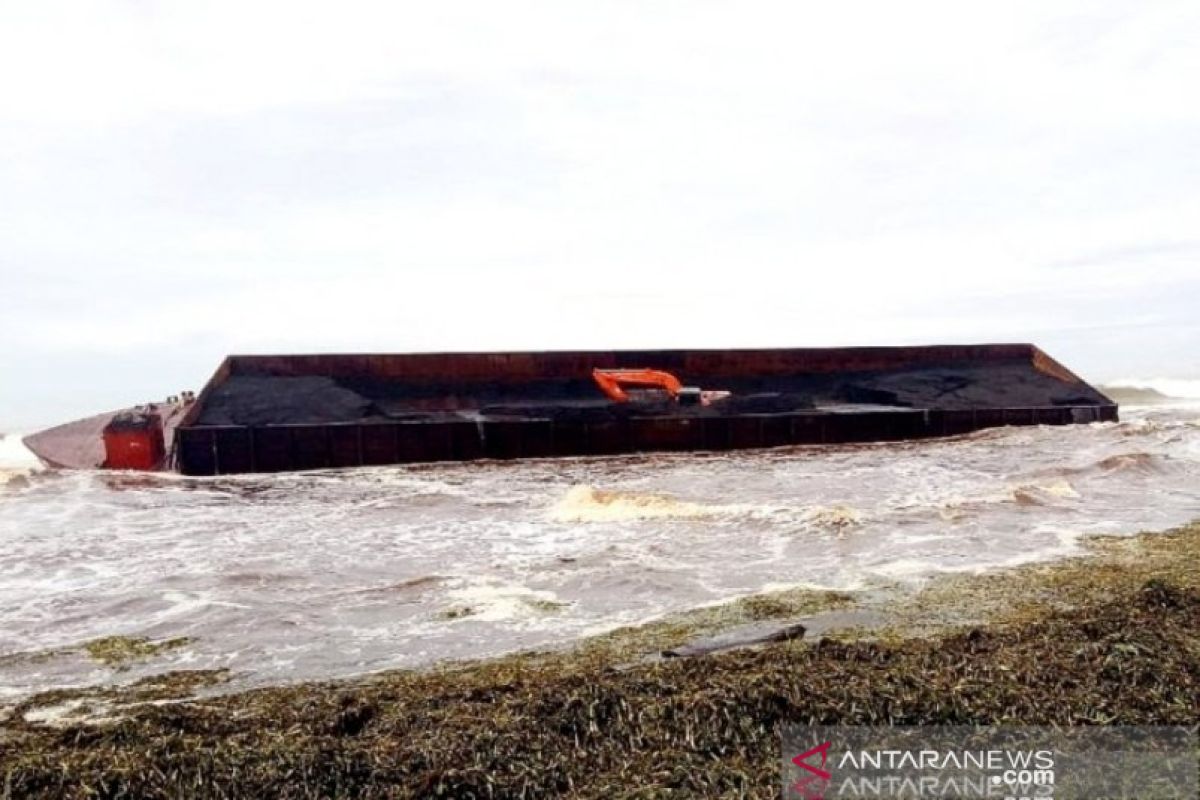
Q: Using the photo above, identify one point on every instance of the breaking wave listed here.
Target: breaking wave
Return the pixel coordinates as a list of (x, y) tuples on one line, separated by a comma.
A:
[(490, 601), (1138, 462), (586, 503), (1135, 462), (1044, 494)]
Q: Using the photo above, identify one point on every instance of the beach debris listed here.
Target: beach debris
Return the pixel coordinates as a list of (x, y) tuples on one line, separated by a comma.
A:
[(457, 612), (739, 637)]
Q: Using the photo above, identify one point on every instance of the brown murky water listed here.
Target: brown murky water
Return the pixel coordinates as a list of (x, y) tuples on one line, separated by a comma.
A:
[(321, 574)]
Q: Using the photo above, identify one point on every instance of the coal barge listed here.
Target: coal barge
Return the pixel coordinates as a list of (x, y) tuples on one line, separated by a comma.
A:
[(264, 413)]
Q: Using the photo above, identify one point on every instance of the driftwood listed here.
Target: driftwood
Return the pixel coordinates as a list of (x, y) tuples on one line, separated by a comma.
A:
[(747, 636)]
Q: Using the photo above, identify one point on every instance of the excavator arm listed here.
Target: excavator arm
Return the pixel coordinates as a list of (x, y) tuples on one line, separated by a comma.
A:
[(611, 382)]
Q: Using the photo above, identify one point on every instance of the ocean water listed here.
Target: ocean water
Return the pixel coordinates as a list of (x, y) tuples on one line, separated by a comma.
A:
[(323, 574)]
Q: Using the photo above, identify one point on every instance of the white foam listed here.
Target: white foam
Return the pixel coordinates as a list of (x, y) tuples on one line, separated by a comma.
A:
[(903, 569), (490, 601), (66, 712), (16, 460)]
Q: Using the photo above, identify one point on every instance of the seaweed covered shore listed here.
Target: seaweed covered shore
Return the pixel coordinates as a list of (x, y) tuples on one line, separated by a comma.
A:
[(1111, 638)]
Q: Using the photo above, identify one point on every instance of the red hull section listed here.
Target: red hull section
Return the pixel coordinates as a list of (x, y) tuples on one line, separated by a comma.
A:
[(134, 440)]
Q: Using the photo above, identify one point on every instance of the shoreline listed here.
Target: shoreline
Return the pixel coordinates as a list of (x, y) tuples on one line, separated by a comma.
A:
[(1110, 637)]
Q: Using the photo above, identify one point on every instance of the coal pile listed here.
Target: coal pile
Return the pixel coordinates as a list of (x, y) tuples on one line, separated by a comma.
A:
[(272, 400), (1015, 385)]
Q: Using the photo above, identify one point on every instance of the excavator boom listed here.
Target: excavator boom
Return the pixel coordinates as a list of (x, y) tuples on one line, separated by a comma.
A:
[(611, 381)]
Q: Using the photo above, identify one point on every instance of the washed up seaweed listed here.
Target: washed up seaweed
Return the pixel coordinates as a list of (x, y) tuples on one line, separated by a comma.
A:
[(119, 651)]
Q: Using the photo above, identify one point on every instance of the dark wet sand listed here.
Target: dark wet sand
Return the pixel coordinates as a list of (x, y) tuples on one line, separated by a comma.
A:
[(1113, 638)]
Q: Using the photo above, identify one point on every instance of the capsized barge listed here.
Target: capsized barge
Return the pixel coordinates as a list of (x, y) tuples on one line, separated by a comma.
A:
[(264, 413)]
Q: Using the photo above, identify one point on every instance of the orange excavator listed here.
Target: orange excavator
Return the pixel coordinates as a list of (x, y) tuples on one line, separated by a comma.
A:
[(613, 381)]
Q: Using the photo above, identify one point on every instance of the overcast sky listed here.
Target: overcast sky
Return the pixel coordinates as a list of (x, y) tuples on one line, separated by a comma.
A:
[(183, 180)]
